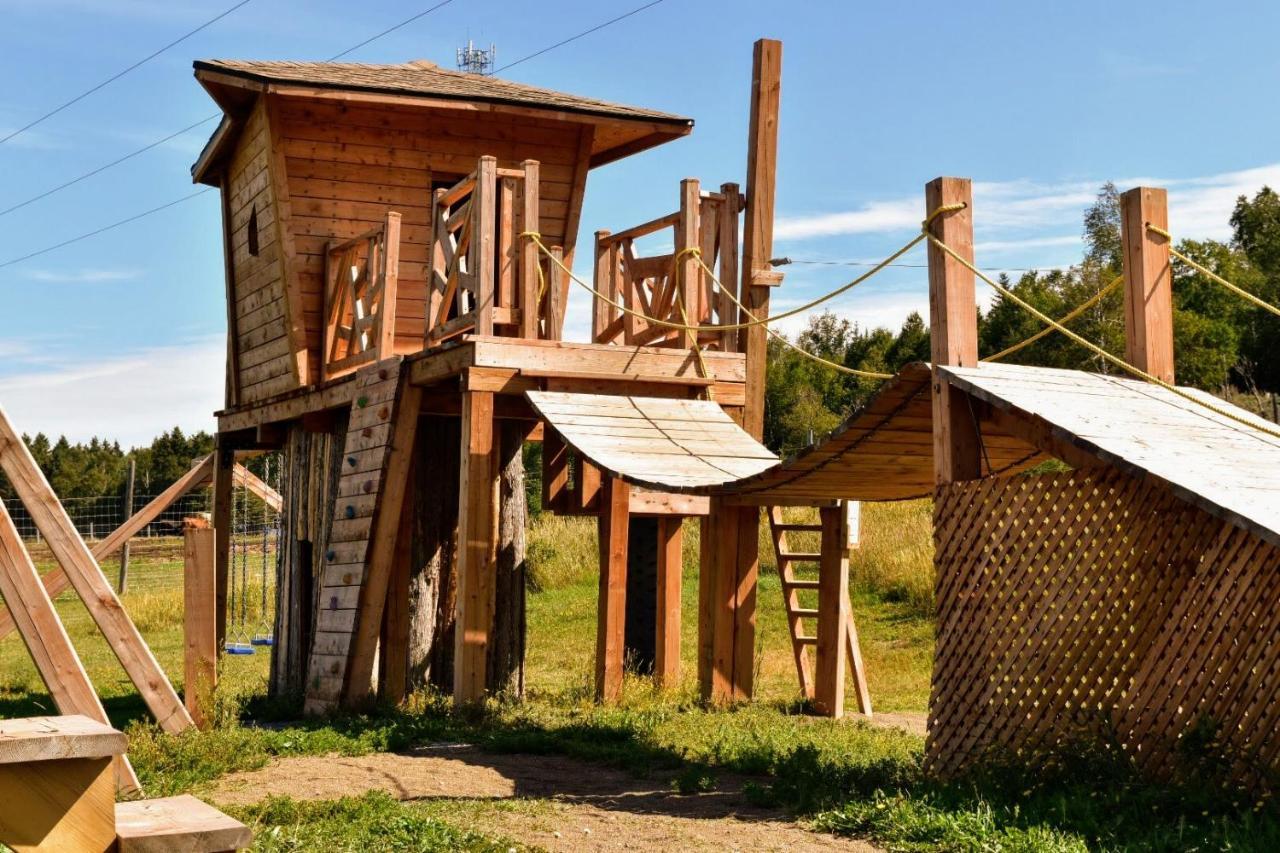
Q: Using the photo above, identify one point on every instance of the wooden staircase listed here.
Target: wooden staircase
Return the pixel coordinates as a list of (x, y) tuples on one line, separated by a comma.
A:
[(801, 572)]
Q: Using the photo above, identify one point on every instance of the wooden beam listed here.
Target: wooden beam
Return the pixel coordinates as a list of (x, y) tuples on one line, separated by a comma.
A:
[(530, 260), (199, 626), (46, 639), (953, 325), (477, 546), (833, 613), (612, 601), (393, 654), (757, 235), (223, 493), (688, 270), (90, 583), (58, 805), (730, 565), (1148, 291), (666, 663), (387, 530), (484, 242), (746, 572), (55, 580), (228, 262), (290, 267)]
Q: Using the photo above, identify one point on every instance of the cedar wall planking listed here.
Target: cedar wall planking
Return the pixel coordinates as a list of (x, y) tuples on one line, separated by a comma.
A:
[(262, 345), (347, 165)]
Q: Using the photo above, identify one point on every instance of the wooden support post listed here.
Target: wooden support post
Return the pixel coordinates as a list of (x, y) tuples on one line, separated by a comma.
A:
[(91, 585), (393, 654), (477, 546), (666, 663), (555, 472), (1148, 291), (123, 583), (484, 212), (199, 629), (833, 613), (46, 639), (727, 581), (953, 323), (530, 280), (557, 293), (386, 346), (688, 270), (757, 234), (602, 312), (615, 497), (223, 493), (728, 227)]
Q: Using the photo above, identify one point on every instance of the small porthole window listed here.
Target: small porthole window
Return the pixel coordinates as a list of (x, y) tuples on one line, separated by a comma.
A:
[(253, 231)]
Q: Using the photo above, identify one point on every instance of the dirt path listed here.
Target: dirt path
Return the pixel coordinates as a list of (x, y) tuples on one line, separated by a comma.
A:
[(550, 801)]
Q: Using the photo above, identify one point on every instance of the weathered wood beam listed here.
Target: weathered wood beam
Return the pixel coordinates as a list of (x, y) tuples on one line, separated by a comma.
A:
[(1148, 291), (477, 546), (612, 600)]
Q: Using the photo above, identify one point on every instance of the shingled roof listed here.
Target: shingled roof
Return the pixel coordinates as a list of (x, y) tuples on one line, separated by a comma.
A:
[(426, 79)]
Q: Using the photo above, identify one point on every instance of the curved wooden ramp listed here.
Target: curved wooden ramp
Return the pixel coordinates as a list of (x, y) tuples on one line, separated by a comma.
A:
[(663, 444)]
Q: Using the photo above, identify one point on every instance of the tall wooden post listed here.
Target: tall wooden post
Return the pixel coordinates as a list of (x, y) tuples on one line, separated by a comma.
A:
[(757, 235), (1148, 291), (199, 628), (224, 463), (833, 612), (688, 270), (953, 324), (666, 660), (123, 583), (477, 546), (615, 502), (727, 601)]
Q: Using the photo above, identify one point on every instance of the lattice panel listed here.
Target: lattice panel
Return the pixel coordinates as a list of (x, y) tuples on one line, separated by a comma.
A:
[(1090, 604)]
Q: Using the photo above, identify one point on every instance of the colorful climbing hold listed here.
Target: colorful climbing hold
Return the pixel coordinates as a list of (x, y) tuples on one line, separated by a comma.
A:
[(368, 486), (333, 602), (334, 669), (382, 373), (346, 579), (384, 413), (330, 555), (362, 401), (350, 511), (366, 432), (351, 460)]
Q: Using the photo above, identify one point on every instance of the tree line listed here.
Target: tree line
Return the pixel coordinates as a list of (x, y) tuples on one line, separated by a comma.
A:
[(1222, 343)]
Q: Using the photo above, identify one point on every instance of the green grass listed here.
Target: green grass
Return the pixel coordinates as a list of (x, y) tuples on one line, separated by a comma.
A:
[(841, 777)]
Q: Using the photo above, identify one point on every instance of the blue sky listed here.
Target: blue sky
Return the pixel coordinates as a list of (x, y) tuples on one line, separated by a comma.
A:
[(121, 334)]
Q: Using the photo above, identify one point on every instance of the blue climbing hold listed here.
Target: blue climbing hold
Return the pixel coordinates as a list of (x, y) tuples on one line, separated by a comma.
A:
[(350, 511)]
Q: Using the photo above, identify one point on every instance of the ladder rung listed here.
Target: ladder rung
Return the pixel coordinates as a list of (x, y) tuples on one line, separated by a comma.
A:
[(805, 611), (808, 641), (798, 528), (797, 584), (803, 556)]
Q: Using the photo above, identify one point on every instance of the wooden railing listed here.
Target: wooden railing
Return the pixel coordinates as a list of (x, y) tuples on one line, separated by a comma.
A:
[(485, 278), (360, 298), (673, 286)]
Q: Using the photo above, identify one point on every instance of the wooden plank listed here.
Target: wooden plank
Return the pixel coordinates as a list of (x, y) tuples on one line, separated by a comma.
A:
[(29, 739), (1148, 291), (289, 263), (177, 823), (833, 613), (223, 494), (757, 234), (199, 624), (91, 585), (666, 662), (58, 805), (688, 270), (612, 599), (529, 258), (953, 319), (484, 242), (477, 546)]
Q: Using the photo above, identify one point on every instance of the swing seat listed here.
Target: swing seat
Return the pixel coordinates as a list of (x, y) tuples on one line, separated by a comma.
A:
[(239, 649), (263, 640)]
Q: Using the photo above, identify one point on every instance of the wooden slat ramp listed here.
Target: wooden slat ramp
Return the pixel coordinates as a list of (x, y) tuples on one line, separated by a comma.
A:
[(663, 444)]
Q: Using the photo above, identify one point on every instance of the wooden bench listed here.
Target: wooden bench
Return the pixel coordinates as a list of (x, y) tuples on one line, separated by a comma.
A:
[(57, 787), (177, 824)]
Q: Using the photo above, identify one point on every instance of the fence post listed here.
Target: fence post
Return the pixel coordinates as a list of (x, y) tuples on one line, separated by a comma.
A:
[(199, 625), (125, 516)]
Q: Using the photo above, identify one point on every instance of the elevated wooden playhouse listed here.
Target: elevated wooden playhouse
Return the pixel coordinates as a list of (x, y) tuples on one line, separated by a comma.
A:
[(390, 305)]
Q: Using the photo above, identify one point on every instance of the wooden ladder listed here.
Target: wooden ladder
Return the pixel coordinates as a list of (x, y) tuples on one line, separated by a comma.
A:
[(789, 560)]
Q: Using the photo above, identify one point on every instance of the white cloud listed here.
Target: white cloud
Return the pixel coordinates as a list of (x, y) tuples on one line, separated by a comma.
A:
[(875, 217), (131, 398), (82, 276)]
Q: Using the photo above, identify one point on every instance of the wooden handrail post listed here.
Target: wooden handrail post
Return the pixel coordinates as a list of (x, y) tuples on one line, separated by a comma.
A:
[(688, 269), (726, 309), (484, 212), (529, 257), (390, 281), (1148, 291), (953, 324), (757, 226), (601, 311), (557, 282)]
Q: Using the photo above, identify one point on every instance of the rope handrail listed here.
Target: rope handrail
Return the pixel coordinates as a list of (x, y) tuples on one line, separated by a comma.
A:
[(1064, 319), (1137, 372), (1200, 268)]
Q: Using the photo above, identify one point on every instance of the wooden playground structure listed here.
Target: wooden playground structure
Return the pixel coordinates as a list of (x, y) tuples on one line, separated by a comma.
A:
[(399, 244)]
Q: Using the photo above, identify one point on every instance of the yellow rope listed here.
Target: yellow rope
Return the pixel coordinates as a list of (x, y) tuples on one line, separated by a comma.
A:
[(686, 327), (1234, 288), (542, 279), (1097, 350), (1067, 318)]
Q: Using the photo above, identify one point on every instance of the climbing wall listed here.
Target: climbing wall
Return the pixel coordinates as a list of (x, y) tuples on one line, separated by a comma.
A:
[(365, 459)]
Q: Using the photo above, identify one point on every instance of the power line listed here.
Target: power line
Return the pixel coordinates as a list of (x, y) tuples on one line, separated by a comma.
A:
[(205, 120), (105, 228), (596, 28), (118, 75), (777, 262)]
